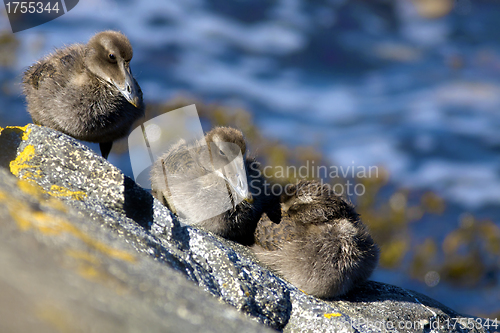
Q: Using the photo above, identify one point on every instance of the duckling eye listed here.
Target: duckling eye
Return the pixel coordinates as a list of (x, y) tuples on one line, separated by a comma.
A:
[(111, 56), (221, 153)]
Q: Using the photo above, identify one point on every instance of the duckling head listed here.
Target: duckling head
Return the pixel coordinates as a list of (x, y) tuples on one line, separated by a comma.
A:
[(108, 57), (227, 151), (312, 202)]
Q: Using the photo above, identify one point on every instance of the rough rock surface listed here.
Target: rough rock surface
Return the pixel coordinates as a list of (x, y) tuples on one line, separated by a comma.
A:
[(83, 248)]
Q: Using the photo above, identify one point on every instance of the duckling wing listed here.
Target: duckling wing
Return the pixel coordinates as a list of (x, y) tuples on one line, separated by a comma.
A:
[(53, 68), (37, 73), (271, 236)]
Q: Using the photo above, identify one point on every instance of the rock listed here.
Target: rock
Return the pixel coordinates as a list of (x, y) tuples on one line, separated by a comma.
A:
[(84, 248)]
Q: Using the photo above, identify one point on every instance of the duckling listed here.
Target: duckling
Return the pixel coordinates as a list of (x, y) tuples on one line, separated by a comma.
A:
[(188, 179), (86, 91), (320, 245)]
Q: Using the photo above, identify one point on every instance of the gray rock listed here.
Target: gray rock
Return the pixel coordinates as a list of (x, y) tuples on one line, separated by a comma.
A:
[(84, 248)]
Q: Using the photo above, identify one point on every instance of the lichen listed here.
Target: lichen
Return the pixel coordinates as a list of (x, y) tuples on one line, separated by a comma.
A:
[(21, 161), (59, 191), (331, 315), (49, 224)]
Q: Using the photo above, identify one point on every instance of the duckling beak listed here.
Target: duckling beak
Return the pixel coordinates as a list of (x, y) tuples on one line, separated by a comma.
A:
[(129, 89), (237, 183), (233, 173), (239, 186)]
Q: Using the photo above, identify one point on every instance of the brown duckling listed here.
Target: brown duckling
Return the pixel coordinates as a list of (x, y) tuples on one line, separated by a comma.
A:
[(228, 203), (86, 91), (320, 246)]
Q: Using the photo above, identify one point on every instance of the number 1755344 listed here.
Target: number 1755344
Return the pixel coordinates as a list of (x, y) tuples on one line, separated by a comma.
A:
[(31, 7)]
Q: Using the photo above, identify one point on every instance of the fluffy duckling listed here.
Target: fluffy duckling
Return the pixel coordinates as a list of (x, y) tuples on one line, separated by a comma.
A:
[(86, 91), (320, 246), (204, 176)]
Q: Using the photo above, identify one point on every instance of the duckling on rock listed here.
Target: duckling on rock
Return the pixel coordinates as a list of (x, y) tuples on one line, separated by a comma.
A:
[(86, 91), (320, 245), (188, 179)]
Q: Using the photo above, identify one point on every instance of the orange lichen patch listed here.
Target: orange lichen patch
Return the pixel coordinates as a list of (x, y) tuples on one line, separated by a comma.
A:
[(26, 131), (23, 129), (28, 218), (30, 188), (21, 161), (53, 225), (36, 191), (332, 315), (59, 191), (28, 185), (17, 130), (29, 176), (10, 138)]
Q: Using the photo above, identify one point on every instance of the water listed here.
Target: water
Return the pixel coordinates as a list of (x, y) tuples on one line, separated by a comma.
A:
[(365, 82)]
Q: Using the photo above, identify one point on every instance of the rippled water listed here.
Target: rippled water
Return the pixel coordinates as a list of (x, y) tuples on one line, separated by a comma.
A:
[(366, 82)]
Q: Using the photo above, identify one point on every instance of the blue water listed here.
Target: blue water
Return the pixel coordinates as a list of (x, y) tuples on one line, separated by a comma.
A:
[(366, 82)]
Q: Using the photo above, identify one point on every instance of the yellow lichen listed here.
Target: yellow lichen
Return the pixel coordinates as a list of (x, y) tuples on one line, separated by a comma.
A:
[(332, 315), (20, 162), (28, 175), (59, 191), (27, 217), (49, 224), (24, 129), (34, 190), (26, 132), (29, 188)]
